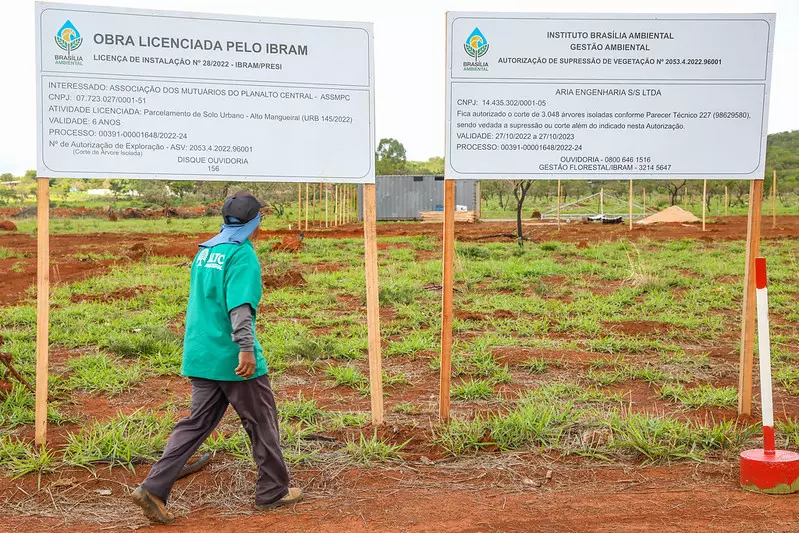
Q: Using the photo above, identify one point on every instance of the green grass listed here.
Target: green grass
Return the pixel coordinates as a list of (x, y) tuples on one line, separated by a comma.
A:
[(407, 408), (701, 396), (126, 440), (347, 376), (18, 458), (371, 450), (100, 373), (17, 409), (472, 390), (7, 253), (300, 409)]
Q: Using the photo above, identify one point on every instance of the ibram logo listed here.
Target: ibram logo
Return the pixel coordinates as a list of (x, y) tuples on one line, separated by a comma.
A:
[(68, 39), (476, 46)]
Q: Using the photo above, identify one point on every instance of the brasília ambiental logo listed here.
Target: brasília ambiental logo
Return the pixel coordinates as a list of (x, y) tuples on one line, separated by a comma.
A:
[(68, 38), (476, 44)]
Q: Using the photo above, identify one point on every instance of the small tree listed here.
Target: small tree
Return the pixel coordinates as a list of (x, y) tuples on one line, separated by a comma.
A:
[(673, 188), (520, 188)]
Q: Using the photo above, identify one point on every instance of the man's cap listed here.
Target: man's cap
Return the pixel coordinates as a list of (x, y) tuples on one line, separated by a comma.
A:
[(241, 207)]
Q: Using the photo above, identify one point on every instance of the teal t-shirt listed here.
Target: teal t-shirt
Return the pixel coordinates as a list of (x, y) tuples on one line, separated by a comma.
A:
[(222, 278)]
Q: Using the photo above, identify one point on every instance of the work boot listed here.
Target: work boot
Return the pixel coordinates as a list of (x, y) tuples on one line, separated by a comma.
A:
[(154, 507), (294, 495)]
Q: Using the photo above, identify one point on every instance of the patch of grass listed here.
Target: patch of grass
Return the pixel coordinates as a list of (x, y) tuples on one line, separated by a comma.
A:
[(659, 439), (93, 257), (458, 437), (18, 458), (346, 420), (347, 376), (391, 379), (372, 450), (236, 444), (701, 396), (7, 253), (161, 347), (472, 390), (407, 408), (126, 440), (300, 409), (533, 423), (17, 409), (100, 373), (790, 429), (470, 251), (536, 366)]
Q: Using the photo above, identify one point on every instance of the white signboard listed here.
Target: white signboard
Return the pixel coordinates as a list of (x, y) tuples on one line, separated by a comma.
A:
[(130, 93), (607, 96)]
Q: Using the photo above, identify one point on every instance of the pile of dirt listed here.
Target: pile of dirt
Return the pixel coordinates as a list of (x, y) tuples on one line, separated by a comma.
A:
[(671, 214), (292, 278), (290, 243), (7, 225)]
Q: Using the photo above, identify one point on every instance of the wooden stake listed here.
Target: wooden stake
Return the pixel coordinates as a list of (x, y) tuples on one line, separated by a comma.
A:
[(726, 199), (774, 201), (644, 193), (559, 193), (748, 318), (602, 201), (446, 298), (704, 203), (307, 206), (479, 186), (327, 200), (373, 302), (42, 308), (299, 206), (631, 205)]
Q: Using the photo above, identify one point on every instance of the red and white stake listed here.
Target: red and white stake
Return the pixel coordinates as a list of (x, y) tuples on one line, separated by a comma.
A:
[(764, 350), (767, 470)]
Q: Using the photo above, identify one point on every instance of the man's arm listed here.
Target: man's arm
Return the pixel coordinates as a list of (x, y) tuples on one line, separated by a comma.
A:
[(244, 336)]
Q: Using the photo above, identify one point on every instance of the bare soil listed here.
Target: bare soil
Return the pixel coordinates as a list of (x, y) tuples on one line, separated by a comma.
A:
[(430, 492)]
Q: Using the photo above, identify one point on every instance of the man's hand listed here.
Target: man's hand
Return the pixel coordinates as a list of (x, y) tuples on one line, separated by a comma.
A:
[(246, 366)]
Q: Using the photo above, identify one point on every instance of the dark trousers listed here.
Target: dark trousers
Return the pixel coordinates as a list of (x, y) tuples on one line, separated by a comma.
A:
[(254, 402)]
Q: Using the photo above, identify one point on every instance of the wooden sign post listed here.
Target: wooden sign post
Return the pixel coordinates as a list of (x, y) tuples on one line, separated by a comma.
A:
[(559, 193), (704, 203), (447, 290), (749, 304), (299, 206), (631, 205), (774, 201), (42, 307), (373, 302)]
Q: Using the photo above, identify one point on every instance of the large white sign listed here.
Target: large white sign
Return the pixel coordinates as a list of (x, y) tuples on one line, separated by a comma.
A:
[(131, 93), (577, 96)]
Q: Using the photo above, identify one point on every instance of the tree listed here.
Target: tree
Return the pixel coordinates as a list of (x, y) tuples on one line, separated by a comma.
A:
[(182, 187), (672, 188), (520, 188), (390, 157)]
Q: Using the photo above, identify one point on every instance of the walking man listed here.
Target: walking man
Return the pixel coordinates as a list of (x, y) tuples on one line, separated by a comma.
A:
[(225, 363)]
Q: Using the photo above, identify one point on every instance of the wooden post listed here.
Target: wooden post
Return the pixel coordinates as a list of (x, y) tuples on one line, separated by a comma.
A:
[(346, 204), (726, 199), (602, 201), (559, 193), (748, 319), (644, 207), (307, 206), (42, 308), (372, 302), (685, 198), (774, 201), (327, 200), (479, 192), (631, 205), (299, 206), (704, 203), (446, 299)]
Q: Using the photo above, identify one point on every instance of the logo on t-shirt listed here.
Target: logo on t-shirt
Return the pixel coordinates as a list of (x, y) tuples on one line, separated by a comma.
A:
[(210, 260)]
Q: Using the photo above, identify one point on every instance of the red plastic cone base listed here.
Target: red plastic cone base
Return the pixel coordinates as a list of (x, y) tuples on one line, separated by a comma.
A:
[(776, 473)]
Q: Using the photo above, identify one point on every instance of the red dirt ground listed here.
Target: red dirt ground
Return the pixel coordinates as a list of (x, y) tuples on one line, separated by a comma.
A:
[(492, 493)]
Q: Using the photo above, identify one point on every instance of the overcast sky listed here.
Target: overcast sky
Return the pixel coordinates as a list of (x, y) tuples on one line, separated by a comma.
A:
[(409, 57)]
